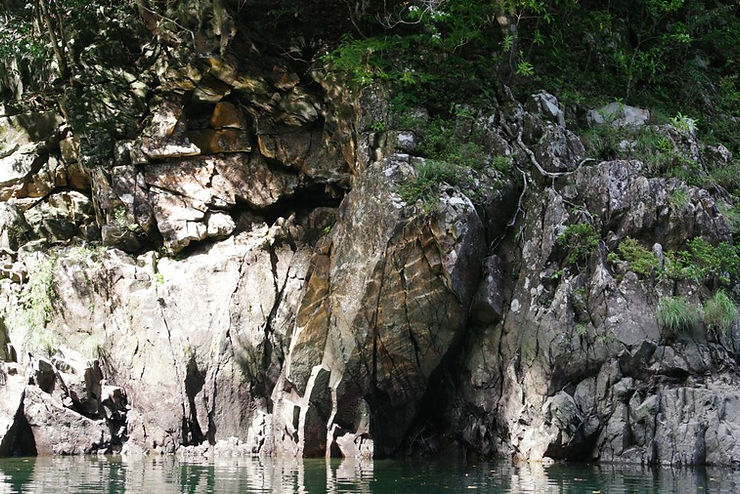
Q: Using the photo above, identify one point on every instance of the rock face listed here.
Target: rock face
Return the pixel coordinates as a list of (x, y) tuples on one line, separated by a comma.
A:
[(235, 272), (385, 301)]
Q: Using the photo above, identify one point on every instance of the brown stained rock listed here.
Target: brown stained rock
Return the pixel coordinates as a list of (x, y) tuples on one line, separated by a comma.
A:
[(167, 117), (307, 151), (62, 216), (18, 168), (308, 346), (227, 70), (161, 149), (219, 225), (211, 141), (284, 79), (188, 374), (26, 128), (69, 148), (210, 89), (300, 107), (14, 230), (129, 187), (78, 177), (183, 193), (181, 220), (50, 176), (165, 138), (226, 115)]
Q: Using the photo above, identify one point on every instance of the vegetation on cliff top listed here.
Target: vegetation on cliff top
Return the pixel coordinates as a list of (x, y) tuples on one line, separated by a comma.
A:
[(674, 56)]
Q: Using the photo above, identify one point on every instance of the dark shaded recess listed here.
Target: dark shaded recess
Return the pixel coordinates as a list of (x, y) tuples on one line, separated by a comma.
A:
[(23, 442), (580, 448), (496, 214), (194, 381), (423, 436), (198, 114), (386, 434), (302, 202)]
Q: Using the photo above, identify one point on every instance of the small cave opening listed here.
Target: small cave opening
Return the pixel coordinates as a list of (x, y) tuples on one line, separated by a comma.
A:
[(194, 381), (304, 200), (24, 443)]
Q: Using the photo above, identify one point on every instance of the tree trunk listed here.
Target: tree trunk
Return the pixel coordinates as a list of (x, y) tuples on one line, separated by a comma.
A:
[(51, 28)]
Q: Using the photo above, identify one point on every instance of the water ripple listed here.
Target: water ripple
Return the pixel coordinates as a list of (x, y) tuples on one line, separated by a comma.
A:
[(160, 475)]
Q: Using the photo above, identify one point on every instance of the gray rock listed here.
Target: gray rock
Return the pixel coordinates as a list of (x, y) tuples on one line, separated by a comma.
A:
[(545, 104), (14, 230), (383, 257), (13, 391), (618, 114), (58, 430)]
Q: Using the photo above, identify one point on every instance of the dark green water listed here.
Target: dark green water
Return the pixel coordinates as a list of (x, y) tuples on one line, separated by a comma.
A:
[(163, 475)]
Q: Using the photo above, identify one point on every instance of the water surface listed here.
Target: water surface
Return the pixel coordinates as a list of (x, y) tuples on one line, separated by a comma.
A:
[(162, 475)]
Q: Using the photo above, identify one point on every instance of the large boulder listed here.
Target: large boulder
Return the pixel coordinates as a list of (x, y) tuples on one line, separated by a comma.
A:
[(385, 300)]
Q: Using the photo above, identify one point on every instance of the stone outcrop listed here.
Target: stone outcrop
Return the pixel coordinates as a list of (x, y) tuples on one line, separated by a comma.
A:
[(385, 301)]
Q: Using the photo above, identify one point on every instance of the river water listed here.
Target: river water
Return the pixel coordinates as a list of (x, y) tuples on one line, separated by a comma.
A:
[(162, 475)]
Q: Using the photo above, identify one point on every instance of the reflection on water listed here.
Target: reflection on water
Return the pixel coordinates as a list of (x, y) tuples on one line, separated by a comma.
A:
[(162, 475)]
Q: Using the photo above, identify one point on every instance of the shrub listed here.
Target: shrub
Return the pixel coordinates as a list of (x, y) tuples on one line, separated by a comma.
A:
[(429, 175), (683, 123), (679, 198), (581, 239), (704, 262), (641, 260), (656, 151), (719, 312), (37, 303), (676, 315)]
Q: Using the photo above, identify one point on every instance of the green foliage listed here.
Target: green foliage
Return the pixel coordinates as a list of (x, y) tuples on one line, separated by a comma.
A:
[(502, 164), (679, 198), (580, 239), (123, 220), (646, 144), (680, 57), (37, 301), (726, 176), (676, 315), (84, 30), (719, 313), (88, 251), (454, 155), (704, 262), (732, 215), (429, 175), (453, 140), (23, 53), (159, 278), (525, 68), (581, 329), (641, 260), (683, 123), (379, 127)]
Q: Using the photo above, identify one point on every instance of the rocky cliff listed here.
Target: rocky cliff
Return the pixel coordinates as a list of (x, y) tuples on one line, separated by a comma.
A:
[(240, 272)]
